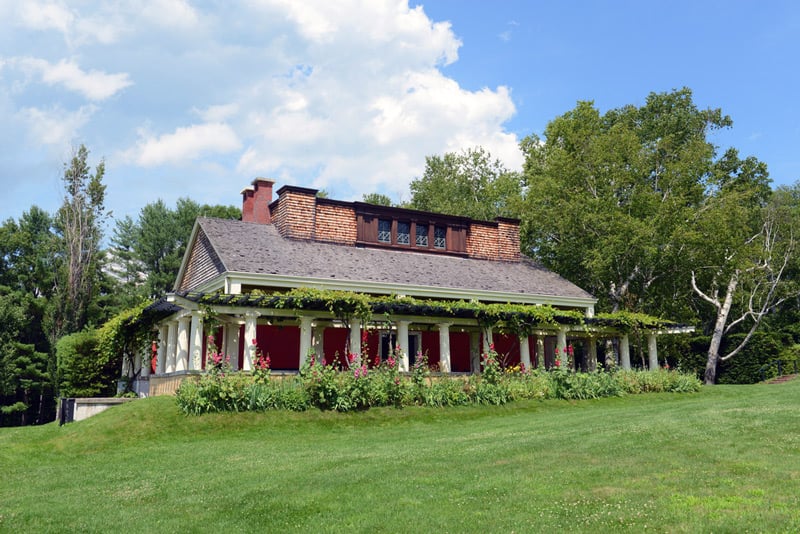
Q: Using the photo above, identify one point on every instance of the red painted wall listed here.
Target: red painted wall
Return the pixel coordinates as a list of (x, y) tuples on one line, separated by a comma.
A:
[(507, 348), (334, 342), (459, 352), (281, 344), (430, 346)]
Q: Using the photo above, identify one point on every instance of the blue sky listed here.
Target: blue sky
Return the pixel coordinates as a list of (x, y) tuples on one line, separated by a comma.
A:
[(196, 99)]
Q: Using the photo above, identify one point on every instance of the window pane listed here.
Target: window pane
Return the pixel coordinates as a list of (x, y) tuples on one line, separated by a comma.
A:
[(422, 235), (384, 231), (440, 237), (403, 233)]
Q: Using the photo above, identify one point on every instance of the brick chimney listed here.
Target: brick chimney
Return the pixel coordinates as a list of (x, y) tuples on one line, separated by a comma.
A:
[(256, 200)]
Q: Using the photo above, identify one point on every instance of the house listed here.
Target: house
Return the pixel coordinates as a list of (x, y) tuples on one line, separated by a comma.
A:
[(233, 270)]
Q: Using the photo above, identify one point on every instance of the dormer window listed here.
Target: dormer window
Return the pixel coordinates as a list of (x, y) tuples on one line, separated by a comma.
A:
[(410, 230), (403, 233), (440, 237), (422, 235), (384, 231)]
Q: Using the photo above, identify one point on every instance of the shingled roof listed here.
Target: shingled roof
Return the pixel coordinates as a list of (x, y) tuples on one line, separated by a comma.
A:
[(258, 249)]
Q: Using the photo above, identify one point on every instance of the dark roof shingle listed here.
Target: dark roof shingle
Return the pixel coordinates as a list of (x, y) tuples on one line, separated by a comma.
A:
[(258, 248)]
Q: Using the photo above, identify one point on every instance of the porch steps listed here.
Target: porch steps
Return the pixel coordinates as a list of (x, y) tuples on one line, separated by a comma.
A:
[(782, 379)]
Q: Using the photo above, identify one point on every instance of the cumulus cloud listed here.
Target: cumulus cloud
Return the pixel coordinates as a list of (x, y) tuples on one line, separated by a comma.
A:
[(184, 145), (55, 126), (349, 96), (94, 84), (369, 103)]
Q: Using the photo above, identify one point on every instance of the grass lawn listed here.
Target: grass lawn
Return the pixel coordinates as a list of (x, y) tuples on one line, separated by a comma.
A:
[(723, 460)]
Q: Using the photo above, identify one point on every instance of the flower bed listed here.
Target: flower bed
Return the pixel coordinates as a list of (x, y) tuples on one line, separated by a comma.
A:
[(363, 383)]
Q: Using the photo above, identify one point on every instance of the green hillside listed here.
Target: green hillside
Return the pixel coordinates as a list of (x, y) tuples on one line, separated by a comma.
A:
[(723, 460)]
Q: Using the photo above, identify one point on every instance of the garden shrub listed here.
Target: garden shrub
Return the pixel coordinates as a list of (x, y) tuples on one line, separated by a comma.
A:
[(360, 387), (85, 371)]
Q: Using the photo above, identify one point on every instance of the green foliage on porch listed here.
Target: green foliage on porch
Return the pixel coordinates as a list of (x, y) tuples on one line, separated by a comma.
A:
[(513, 318)]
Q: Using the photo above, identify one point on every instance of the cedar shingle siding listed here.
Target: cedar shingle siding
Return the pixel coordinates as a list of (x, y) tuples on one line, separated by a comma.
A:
[(203, 265)]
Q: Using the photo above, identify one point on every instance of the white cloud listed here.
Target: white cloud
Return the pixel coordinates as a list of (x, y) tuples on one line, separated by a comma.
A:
[(94, 84), (170, 13), (55, 126), (45, 16), (349, 96), (184, 145)]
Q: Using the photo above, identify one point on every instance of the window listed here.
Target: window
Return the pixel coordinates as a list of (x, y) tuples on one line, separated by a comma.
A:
[(422, 235), (403, 233), (384, 231), (440, 237)]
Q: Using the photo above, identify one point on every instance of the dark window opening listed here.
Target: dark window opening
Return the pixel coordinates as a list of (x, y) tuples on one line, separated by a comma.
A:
[(384, 231), (440, 237), (403, 233), (422, 235)]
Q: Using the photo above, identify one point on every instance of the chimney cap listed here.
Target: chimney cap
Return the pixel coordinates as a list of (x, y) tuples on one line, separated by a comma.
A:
[(248, 188), (261, 179)]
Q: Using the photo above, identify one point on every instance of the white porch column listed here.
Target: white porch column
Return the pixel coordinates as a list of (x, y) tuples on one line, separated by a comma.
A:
[(540, 359), (444, 347), (161, 359), (318, 335), (524, 352), (137, 363), (172, 346), (625, 352), (487, 339), (305, 340), (652, 350), (402, 340), (146, 359), (355, 337), (182, 357), (561, 340), (231, 334), (591, 364), (475, 351), (196, 341), (250, 324)]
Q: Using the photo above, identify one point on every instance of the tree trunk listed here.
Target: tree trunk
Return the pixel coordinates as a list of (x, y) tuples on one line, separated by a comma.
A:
[(710, 377)]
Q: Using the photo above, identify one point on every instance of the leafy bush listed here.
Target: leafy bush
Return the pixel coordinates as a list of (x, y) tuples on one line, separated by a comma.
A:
[(84, 370), (360, 387)]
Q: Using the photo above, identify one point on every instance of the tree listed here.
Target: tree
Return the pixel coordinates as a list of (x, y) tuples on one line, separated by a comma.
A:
[(608, 197), (469, 184), (151, 249), (745, 242), (378, 199), (79, 224)]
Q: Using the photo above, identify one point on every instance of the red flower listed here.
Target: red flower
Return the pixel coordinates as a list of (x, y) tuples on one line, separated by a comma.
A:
[(491, 347)]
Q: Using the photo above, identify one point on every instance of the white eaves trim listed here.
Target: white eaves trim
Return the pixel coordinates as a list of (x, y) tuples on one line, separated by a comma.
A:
[(232, 282)]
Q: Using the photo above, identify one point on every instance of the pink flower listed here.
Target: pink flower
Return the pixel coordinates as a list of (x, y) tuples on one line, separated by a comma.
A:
[(390, 361), (570, 350), (351, 357), (254, 342), (491, 347), (558, 363)]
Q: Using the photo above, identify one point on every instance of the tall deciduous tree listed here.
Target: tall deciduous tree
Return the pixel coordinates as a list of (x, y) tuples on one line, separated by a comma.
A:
[(79, 223), (608, 197), (470, 184), (744, 242)]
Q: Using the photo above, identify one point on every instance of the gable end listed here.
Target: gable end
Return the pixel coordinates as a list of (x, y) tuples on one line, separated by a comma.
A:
[(203, 263)]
